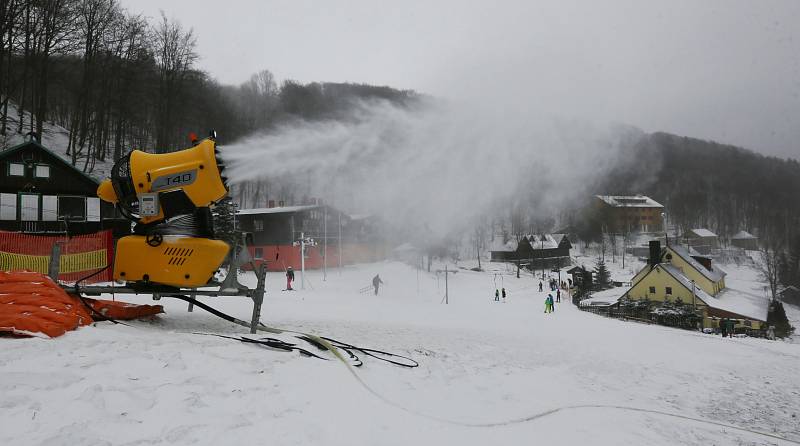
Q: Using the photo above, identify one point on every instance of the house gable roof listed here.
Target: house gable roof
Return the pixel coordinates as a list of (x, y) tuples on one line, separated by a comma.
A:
[(714, 274), (50, 154), (743, 235), (621, 201), (702, 232)]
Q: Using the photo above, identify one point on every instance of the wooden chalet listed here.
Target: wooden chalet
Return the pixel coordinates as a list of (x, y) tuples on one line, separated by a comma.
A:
[(273, 231), (537, 251), (40, 192)]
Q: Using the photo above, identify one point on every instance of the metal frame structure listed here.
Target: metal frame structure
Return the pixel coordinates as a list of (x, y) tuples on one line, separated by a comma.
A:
[(230, 287)]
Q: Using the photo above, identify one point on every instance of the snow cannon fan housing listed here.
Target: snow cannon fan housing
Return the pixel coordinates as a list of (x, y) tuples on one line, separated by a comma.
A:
[(190, 178), (169, 196)]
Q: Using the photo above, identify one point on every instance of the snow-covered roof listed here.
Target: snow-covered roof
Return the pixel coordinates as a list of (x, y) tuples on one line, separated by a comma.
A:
[(604, 298), (727, 300), (276, 210), (542, 241), (619, 201), (743, 235), (715, 274), (702, 232)]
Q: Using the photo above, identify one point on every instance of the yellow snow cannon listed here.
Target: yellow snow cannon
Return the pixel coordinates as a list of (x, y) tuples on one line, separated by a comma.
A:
[(169, 198)]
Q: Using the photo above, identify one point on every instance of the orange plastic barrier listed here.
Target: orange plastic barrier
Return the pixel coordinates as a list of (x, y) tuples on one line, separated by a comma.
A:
[(32, 304), (81, 255)]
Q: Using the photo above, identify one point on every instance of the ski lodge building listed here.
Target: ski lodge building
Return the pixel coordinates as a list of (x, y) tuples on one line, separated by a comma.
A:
[(745, 240), (624, 214), (41, 193), (272, 233), (543, 250), (676, 274), (702, 240)]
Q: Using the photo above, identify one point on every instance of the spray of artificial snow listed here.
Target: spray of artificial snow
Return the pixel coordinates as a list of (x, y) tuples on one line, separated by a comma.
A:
[(436, 167)]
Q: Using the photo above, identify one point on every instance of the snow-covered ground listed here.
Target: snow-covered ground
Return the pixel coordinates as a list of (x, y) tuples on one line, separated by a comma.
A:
[(490, 373)]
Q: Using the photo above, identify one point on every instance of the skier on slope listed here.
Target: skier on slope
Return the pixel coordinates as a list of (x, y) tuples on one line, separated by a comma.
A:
[(289, 278), (548, 303), (558, 296), (504, 294), (376, 282), (540, 286), (496, 295)]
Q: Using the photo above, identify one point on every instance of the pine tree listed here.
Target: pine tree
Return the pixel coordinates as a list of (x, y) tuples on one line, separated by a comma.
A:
[(225, 223), (602, 276), (776, 317)]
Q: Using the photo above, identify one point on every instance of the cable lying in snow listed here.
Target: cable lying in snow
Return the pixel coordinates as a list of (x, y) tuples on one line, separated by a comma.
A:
[(333, 346), (320, 342)]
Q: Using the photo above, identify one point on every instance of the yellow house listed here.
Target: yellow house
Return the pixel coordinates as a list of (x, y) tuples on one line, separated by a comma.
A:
[(674, 275), (696, 267)]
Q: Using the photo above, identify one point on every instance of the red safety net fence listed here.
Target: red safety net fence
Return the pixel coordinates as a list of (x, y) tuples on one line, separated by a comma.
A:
[(81, 255)]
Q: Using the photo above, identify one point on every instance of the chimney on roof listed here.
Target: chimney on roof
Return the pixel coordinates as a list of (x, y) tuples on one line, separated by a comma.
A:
[(655, 253), (705, 261)]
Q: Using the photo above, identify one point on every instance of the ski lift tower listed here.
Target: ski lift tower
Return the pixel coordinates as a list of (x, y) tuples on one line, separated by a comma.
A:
[(303, 242)]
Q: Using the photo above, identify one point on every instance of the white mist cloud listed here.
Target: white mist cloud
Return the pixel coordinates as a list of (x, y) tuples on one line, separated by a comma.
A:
[(435, 167)]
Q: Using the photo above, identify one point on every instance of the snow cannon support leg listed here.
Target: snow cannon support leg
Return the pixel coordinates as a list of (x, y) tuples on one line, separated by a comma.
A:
[(258, 298)]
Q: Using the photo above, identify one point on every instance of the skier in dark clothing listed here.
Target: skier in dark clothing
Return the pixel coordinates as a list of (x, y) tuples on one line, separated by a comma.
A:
[(558, 296), (497, 295), (504, 294), (289, 278), (723, 327), (376, 282), (540, 286)]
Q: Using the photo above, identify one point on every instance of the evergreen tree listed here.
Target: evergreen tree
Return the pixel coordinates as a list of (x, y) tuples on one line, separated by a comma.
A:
[(602, 276), (776, 317), (225, 224)]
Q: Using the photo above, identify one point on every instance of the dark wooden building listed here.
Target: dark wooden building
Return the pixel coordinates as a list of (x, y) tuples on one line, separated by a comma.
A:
[(537, 251), (272, 232), (40, 192)]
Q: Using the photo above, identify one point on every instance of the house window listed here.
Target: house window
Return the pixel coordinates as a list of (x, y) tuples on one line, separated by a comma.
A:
[(652, 290), (49, 208), (16, 169), (29, 207), (71, 208), (259, 253), (92, 209), (8, 206), (42, 171), (258, 224), (669, 291)]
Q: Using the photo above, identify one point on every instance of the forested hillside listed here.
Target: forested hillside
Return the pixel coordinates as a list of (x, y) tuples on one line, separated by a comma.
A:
[(704, 184), (117, 80)]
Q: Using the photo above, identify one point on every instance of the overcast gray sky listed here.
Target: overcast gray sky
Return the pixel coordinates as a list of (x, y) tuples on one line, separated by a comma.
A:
[(723, 70)]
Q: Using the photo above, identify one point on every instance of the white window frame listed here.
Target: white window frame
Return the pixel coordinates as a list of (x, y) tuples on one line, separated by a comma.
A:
[(84, 207), (93, 210), (36, 170), (8, 207), (49, 208), (11, 165), (258, 224), (23, 212)]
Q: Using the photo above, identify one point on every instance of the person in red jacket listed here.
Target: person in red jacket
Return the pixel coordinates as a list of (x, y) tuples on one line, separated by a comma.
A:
[(289, 278)]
